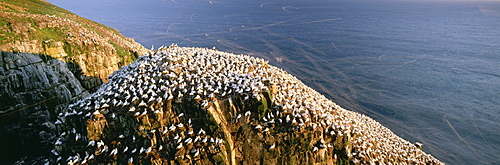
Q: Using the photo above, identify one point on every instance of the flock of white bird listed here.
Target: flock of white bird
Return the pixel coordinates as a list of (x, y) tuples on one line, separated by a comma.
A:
[(199, 76)]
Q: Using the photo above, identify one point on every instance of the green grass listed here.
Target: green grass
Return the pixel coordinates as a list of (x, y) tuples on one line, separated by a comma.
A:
[(27, 16), (48, 34), (35, 7), (124, 54), (45, 8)]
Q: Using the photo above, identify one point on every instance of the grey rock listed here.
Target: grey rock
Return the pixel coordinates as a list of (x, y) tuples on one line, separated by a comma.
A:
[(34, 88), (28, 81)]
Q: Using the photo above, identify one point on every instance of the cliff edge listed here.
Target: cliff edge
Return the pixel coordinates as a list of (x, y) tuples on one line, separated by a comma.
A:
[(184, 105)]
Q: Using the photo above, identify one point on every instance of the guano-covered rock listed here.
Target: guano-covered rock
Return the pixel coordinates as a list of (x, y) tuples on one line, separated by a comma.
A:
[(185, 105)]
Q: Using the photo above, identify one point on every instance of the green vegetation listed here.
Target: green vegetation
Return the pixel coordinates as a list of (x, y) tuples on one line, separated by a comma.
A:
[(47, 34), (41, 7), (44, 8), (36, 26), (125, 55), (3, 32)]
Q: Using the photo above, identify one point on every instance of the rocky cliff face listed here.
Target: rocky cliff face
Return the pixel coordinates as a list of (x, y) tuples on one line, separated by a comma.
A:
[(49, 58), (33, 79), (34, 88), (36, 26), (202, 106)]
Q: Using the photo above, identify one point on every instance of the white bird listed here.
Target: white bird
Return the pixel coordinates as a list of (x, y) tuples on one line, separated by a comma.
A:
[(197, 139), (105, 149), (130, 160), (188, 140), (58, 142), (172, 128), (96, 112), (142, 104), (105, 105), (272, 146), (113, 152), (179, 140), (91, 143), (58, 122), (197, 153), (55, 152), (201, 132), (77, 136), (271, 121)]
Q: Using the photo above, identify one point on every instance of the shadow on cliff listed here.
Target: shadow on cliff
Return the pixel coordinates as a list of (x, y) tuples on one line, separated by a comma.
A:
[(34, 89)]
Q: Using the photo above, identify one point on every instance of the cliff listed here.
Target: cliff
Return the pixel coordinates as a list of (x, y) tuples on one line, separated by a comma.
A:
[(33, 89), (203, 106), (36, 26), (49, 58)]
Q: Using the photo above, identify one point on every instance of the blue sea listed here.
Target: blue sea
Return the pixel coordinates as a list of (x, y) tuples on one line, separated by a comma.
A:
[(428, 70)]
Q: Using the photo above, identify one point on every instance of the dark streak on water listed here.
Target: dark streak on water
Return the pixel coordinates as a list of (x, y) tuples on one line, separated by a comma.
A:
[(427, 70)]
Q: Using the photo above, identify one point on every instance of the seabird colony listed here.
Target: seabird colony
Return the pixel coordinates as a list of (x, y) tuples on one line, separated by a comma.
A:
[(176, 75)]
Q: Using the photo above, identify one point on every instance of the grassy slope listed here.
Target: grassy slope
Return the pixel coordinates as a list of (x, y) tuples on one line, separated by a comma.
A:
[(44, 8), (52, 29)]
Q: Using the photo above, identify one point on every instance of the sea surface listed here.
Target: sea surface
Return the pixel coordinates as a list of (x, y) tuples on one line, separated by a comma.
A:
[(428, 70)]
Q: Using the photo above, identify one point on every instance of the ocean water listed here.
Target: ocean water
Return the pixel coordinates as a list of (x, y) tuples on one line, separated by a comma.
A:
[(428, 70)]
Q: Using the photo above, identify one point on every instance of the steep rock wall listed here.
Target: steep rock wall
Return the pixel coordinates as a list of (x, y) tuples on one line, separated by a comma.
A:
[(34, 89)]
